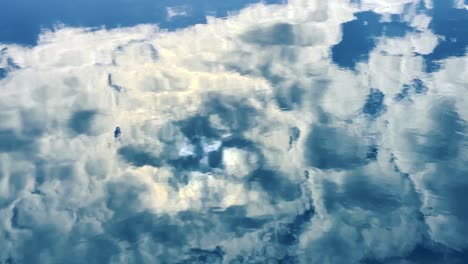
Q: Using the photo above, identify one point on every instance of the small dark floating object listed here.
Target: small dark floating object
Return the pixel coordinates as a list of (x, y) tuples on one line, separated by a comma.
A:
[(117, 132), (375, 103)]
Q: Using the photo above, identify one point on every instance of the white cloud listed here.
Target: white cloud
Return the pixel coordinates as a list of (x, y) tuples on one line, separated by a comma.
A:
[(460, 4), (387, 6), (424, 43), (420, 21), (175, 11)]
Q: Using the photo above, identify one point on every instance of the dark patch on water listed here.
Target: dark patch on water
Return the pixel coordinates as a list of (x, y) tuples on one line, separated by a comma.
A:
[(289, 260), (375, 103), (187, 163), (160, 228), (288, 234), (367, 195), (372, 152), (416, 86), (290, 98), (37, 192), (81, 121), (277, 34), (202, 256), (419, 86), (11, 141), (333, 148), (359, 191), (266, 72), (12, 64), (139, 157), (14, 219), (276, 185), (3, 73), (238, 142), (215, 159), (231, 221), (197, 127), (10, 260)]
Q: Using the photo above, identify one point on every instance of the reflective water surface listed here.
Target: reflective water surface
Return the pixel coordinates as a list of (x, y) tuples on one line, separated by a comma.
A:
[(305, 131), (23, 20)]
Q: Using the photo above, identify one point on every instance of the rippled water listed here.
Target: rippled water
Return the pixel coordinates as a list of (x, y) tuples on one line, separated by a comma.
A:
[(285, 132)]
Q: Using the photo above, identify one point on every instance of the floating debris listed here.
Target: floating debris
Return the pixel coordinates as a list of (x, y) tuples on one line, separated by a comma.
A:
[(117, 133)]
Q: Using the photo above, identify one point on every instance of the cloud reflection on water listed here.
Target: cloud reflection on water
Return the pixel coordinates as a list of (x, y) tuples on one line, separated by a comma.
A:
[(261, 138)]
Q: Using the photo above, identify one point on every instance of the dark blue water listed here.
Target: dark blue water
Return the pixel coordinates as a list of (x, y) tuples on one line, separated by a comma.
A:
[(452, 25), (359, 37)]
